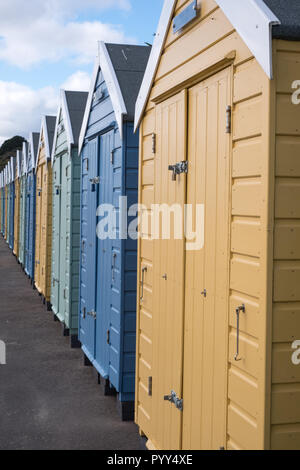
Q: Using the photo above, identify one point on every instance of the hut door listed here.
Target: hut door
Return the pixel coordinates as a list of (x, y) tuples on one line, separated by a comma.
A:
[(56, 231), (28, 226), (206, 279), (44, 228), (88, 248), (169, 259), (39, 195), (63, 239), (105, 275)]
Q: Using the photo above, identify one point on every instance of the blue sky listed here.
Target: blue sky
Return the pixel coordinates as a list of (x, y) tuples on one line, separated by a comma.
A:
[(49, 44)]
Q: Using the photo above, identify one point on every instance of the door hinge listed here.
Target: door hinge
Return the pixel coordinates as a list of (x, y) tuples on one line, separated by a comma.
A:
[(112, 157), (153, 143), (150, 386), (173, 398), (178, 168), (228, 120)]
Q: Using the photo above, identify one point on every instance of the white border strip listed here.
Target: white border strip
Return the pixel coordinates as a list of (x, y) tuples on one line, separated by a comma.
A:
[(253, 21), (160, 37), (88, 106), (112, 84)]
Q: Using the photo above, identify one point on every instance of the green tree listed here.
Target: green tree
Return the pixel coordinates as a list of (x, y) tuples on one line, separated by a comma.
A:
[(9, 149)]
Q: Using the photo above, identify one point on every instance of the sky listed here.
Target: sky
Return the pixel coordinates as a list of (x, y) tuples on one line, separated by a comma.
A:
[(46, 45)]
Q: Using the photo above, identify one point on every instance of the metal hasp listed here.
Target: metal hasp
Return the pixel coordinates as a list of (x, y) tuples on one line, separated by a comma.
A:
[(92, 313), (240, 308), (144, 270), (94, 181), (181, 167), (173, 398), (185, 17)]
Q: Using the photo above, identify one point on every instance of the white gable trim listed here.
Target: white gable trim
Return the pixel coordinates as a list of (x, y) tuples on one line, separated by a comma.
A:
[(18, 165), (55, 134), (103, 63), (24, 163), (88, 106), (252, 19), (13, 169), (67, 119), (33, 156), (112, 85), (153, 62), (63, 108), (44, 132)]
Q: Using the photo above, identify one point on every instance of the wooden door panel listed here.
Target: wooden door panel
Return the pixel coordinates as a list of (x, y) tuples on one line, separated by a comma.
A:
[(168, 276), (55, 235), (205, 341)]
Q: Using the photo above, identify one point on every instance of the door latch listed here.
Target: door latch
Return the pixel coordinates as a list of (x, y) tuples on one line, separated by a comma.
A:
[(181, 167), (144, 270), (239, 309), (173, 398), (204, 293), (92, 313), (94, 181)]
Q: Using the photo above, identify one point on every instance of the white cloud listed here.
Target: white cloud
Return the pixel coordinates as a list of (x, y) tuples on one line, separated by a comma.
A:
[(21, 108), (79, 81), (36, 31)]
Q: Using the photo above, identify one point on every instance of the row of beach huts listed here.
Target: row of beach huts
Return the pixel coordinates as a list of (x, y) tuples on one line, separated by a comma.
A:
[(195, 333)]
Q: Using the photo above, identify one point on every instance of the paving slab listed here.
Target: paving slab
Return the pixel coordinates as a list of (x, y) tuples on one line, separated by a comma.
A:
[(48, 398)]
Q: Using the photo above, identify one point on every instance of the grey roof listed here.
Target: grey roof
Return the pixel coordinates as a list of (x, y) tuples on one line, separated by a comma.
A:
[(50, 123), (129, 63), (35, 139), (76, 102), (288, 12)]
